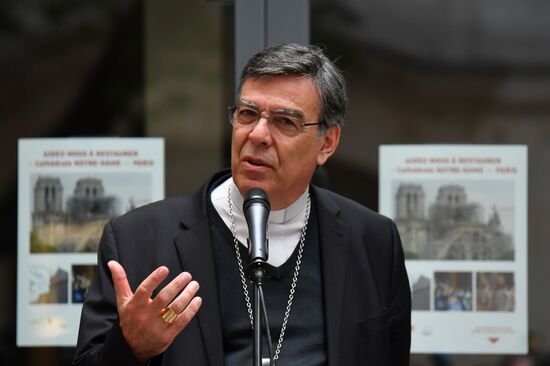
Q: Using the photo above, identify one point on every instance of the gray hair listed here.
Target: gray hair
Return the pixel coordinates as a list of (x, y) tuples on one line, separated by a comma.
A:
[(295, 59)]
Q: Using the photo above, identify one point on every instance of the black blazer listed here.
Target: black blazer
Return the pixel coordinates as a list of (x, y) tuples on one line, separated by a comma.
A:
[(366, 290)]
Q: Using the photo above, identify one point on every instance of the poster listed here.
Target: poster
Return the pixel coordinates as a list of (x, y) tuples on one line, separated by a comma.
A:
[(68, 188), (461, 211)]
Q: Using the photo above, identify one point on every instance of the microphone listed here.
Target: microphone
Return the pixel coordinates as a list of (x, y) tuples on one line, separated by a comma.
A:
[(256, 209)]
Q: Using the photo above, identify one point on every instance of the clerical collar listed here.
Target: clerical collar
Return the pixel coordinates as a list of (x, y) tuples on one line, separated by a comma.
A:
[(275, 216), (283, 229)]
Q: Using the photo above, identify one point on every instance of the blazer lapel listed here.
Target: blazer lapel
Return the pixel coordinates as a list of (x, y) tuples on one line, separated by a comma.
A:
[(195, 252), (334, 242)]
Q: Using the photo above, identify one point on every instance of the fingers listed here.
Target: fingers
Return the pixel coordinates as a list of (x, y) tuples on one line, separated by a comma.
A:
[(148, 330), (167, 294), (122, 288), (189, 313), (184, 307), (184, 299), (183, 319), (146, 288)]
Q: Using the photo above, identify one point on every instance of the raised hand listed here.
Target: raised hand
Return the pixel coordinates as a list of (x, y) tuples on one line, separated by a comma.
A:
[(148, 325)]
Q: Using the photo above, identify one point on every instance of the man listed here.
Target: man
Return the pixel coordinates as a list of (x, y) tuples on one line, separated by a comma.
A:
[(337, 291)]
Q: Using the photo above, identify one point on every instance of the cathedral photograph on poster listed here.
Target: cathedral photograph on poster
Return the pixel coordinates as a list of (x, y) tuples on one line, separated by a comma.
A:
[(459, 220), (69, 210)]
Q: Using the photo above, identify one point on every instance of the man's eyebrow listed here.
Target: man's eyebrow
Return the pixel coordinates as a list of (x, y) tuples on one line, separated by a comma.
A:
[(290, 112), (248, 103), (287, 111)]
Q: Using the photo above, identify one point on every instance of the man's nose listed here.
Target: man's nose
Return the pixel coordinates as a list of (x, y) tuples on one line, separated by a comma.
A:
[(261, 132), (263, 116)]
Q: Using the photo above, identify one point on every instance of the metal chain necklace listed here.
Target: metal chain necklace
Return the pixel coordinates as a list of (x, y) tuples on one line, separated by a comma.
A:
[(294, 277)]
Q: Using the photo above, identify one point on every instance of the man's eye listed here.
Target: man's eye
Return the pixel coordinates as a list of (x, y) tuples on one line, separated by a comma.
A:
[(248, 113), (285, 122)]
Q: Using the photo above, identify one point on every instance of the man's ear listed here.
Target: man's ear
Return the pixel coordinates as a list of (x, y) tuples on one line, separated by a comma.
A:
[(331, 138)]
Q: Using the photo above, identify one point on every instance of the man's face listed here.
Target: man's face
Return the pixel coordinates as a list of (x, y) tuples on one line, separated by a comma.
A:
[(263, 157)]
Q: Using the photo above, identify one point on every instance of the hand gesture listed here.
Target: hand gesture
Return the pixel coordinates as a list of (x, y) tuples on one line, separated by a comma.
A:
[(148, 325)]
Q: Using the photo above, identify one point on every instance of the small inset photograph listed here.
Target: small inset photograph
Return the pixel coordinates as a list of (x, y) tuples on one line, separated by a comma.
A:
[(495, 291), (420, 290), (453, 291), (48, 285), (82, 279)]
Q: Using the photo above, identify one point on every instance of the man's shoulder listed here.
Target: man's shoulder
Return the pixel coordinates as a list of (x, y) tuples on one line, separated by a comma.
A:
[(348, 207)]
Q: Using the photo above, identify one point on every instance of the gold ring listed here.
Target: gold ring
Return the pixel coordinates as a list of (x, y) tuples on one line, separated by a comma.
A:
[(168, 315)]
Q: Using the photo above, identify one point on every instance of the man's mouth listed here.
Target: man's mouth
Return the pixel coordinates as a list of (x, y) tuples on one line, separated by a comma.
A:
[(255, 162)]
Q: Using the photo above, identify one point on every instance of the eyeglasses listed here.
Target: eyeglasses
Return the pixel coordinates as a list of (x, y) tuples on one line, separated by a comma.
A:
[(285, 124)]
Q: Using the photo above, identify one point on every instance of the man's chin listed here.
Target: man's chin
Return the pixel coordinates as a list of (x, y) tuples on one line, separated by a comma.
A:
[(245, 183)]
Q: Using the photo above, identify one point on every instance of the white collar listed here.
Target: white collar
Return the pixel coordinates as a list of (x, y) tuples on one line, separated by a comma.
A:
[(275, 216), (284, 226)]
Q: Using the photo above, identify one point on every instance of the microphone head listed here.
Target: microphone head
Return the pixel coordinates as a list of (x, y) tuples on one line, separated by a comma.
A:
[(256, 209), (256, 195)]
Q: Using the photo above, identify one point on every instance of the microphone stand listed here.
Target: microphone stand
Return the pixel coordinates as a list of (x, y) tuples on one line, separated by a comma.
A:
[(256, 209), (256, 272)]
